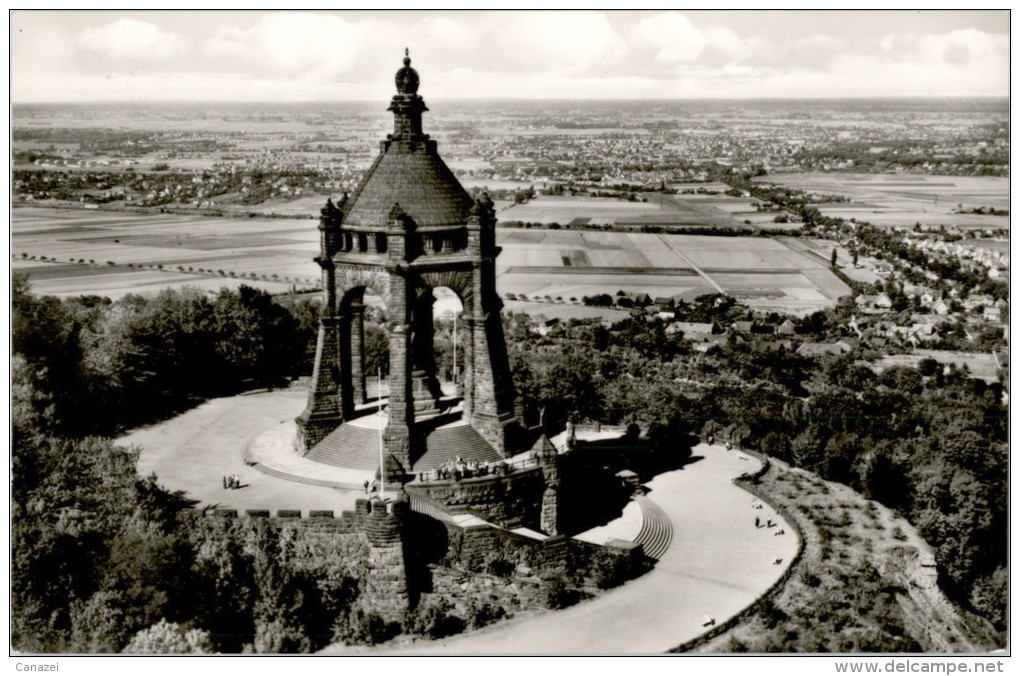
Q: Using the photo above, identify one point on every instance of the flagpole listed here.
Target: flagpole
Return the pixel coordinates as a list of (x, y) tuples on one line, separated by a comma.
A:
[(382, 459), (455, 348)]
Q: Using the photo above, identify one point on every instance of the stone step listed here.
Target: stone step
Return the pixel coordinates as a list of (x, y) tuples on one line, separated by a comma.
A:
[(304, 479), (349, 446)]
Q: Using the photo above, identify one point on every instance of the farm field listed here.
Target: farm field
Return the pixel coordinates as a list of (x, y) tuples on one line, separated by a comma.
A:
[(981, 365), (663, 210), (997, 245), (115, 253), (906, 199), (764, 273), (565, 312)]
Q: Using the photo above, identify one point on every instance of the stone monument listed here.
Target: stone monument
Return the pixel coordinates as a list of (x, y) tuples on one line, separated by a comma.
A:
[(409, 228)]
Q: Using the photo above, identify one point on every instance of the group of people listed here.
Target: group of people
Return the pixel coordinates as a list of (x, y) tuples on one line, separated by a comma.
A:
[(458, 469), (711, 442), (233, 481), (769, 523)]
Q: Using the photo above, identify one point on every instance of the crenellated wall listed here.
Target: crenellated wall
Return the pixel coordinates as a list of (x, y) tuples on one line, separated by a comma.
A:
[(367, 544)]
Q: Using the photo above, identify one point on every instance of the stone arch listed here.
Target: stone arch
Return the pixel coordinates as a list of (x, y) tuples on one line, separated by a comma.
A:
[(355, 373), (458, 281), (350, 279)]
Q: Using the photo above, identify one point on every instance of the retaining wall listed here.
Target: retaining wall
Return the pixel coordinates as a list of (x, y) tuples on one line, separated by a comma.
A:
[(511, 501)]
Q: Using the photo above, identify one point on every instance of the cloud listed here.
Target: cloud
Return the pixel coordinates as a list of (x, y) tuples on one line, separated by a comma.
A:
[(313, 46), (554, 42), (726, 43), (132, 40), (957, 48), (584, 54), (446, 34), (672, 34)]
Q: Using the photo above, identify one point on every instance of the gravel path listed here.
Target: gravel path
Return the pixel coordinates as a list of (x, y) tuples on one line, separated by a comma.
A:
[(195, 450)]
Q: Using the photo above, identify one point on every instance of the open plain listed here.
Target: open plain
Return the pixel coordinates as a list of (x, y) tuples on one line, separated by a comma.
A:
[(906, 199), (69, 252)]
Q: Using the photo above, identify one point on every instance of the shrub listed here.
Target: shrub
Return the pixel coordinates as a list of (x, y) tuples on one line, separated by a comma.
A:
[(500, 568), (559, 595), (360, 628), (481, 614), (611, 570), (276, 636), (434, 619)]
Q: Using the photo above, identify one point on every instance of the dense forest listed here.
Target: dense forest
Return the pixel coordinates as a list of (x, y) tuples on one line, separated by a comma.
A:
[(103, 560)]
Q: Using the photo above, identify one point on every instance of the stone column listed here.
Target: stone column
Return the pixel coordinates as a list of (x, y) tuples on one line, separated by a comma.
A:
[(401, 403), (357, 321), (424, 356), (344, 357), (466, 356), (492, 404), (548, 458), (550, 507)]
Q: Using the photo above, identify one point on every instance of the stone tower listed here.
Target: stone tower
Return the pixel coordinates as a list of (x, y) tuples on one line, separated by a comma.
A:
[(409, 228)]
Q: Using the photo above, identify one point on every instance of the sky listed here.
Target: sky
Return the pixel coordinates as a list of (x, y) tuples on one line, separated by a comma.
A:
[(591, 54)]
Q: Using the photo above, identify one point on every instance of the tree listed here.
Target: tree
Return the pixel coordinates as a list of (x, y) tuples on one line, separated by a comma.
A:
[(832, 259), (169, 638), (97, 624)]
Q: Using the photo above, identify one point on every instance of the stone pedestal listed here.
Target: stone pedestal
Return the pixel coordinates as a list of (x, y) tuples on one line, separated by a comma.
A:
[(425, 402)]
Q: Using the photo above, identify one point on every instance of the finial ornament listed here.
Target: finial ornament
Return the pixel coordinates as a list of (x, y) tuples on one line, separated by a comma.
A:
[(407, 77)]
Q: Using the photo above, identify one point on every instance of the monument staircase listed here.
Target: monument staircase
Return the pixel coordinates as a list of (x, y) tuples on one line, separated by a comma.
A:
[(354, 446), (656, 530), (452, 442)]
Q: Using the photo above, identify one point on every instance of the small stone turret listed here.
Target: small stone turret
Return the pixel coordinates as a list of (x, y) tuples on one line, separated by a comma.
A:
[(548, 460), (386, 590)]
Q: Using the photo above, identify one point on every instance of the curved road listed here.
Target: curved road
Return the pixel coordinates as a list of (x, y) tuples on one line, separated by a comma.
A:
[(717, 564)]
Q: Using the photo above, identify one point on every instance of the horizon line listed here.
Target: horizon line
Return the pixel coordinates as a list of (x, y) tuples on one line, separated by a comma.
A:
[(865, 97)]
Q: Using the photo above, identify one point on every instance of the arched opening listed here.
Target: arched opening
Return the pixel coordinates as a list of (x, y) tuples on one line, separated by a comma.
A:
[(364, 349), (448, 339)]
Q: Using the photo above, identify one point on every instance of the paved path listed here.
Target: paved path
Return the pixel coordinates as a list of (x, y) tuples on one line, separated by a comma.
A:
[(717, 564), (195, 450)]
